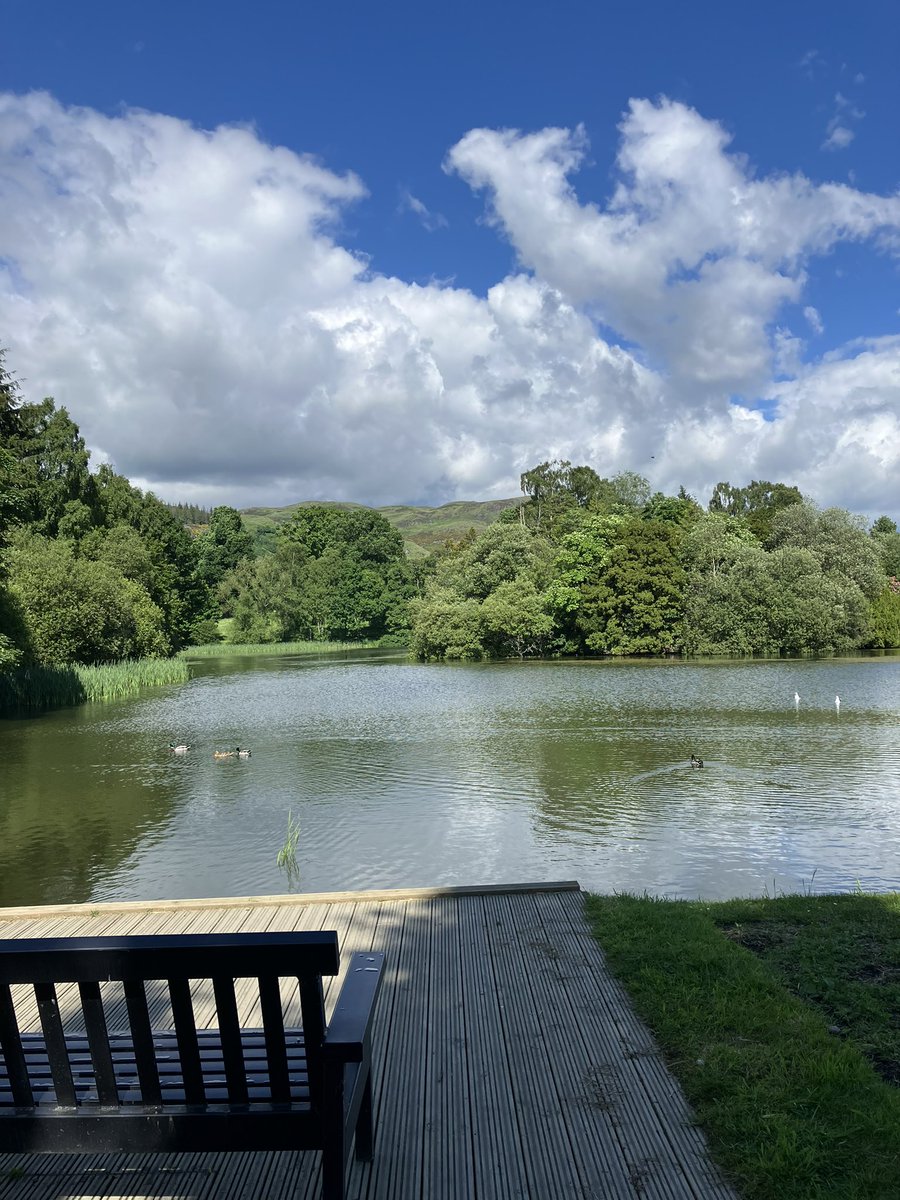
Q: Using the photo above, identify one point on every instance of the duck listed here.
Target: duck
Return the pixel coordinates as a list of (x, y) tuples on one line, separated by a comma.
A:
[(242, 753), (179, 748), (695, 761), (224, 753)]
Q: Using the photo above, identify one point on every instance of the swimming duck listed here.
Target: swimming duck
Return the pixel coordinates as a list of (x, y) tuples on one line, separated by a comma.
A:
[(224, 753), (180, 748), (242, 753), (695, 761)]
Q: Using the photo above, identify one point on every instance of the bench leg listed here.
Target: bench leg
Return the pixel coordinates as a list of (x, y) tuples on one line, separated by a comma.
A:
[(364, 1127), (333, 1157)]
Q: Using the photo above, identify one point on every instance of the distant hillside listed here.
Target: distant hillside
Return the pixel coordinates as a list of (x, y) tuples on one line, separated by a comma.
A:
[(422, 528)]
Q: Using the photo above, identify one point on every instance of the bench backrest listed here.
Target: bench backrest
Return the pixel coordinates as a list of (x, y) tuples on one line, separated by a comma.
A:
[(177, 959)]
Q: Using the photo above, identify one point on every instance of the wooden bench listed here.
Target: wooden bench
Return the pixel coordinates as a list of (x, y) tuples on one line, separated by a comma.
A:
[(166, 1083)]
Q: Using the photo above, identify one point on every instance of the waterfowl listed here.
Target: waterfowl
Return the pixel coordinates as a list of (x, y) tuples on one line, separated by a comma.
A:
[(224, 753), (180, 748), (695, 761), (242, 753)]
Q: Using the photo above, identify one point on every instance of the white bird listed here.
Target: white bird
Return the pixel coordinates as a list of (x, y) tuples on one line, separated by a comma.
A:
[(837, 703), (796, 699)]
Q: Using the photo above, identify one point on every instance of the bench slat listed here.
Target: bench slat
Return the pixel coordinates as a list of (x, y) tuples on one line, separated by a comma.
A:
[(13, 1054), (142, 1040), (186, 1034), (230, 1032), (273, 1024), (48, 1010), (98, 1040)]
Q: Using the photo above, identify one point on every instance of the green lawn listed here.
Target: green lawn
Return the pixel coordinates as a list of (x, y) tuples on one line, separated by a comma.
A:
[(781, 1018)]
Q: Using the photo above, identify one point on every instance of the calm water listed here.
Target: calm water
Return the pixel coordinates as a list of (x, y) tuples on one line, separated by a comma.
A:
[(402, 774)]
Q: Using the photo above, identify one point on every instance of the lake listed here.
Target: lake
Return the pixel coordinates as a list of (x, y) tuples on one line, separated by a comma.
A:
[(404, 775)]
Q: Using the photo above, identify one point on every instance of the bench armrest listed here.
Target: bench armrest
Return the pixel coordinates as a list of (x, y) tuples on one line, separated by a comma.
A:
[(348, 1031)]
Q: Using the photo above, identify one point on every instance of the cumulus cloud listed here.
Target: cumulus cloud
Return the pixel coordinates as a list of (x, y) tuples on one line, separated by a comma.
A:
[(186, 295)]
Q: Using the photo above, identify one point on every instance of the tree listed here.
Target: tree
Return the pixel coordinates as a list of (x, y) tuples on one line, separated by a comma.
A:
[(632, 490), (713, 547), (884, 617), (548, 492), (758, 503), (635, 605), (222, 546), (515, 620), (336, 573), (836, 538), (53, 465), (174, 586), (884, 525), (489, 598), (887, 544), (76, 610)]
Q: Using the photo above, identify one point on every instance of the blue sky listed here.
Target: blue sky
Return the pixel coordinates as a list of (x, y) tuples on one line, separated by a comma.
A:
[(446, 316)]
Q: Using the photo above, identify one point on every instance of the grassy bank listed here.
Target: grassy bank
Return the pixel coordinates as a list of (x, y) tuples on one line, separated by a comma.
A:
[(223, 649), (780, 1019), (38, 689)]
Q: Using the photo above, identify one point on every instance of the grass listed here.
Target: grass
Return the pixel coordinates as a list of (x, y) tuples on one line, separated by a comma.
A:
[(37, 689), (286, 858), (225, 649), (779, 1017)]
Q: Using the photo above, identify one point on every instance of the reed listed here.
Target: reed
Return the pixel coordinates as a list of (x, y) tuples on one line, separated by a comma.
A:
[(226, 649), (36, 689), (112, 681), (287, 855)]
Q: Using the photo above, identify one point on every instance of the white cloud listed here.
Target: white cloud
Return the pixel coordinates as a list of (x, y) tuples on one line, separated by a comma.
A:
[(186, 296), (839, 138), (814, 319), (694, 255), (430, 220), (839, 134)]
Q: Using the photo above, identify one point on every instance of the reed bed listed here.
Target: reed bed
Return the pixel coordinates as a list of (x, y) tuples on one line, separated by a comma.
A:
[(254, 649), (37, 689)]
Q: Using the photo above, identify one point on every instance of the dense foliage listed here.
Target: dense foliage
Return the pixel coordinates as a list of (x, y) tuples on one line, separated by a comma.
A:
[(91, 569), (602, 566), (339, 574)]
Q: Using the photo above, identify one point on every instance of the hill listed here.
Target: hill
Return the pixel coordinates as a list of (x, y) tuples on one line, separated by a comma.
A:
[(422, 528)]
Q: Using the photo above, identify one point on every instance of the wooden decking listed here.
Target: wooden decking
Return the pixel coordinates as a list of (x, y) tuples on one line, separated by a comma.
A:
[(508, 1062)]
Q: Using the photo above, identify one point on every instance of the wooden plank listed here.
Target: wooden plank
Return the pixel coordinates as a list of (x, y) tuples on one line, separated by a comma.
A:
[(447, 1135), (544, 1136), (223, 902), (668, 1152), (499, 1155), (383, 929), (399, 1098)]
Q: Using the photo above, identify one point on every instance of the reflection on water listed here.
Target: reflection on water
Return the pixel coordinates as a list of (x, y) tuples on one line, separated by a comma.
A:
[(410, 775)]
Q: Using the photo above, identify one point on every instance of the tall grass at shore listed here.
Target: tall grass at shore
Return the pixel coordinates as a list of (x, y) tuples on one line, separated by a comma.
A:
[(36, 689), (228, 649)]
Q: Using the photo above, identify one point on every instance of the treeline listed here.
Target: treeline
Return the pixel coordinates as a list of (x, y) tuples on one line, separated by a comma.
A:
[(190, 514), (590, 565), (93, 570)]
